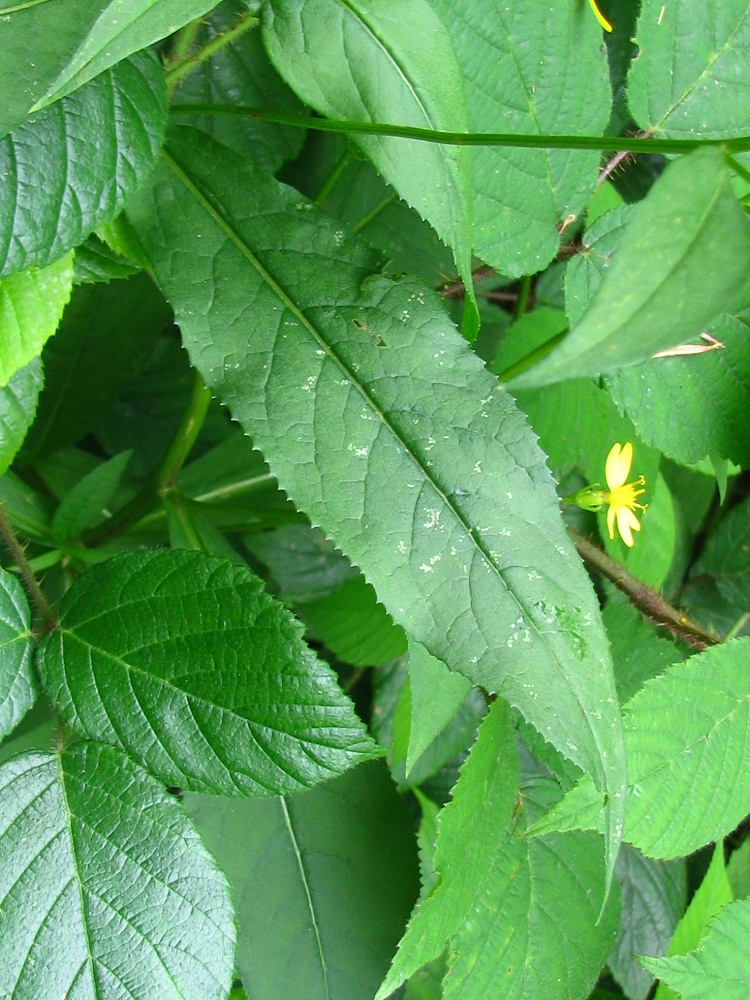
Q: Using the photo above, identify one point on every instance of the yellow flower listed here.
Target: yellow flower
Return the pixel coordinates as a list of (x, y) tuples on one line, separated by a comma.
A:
[(600, 17), (621, 496)]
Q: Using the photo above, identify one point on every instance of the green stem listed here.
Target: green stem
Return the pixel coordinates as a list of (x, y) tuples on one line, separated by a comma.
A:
[(34, 592), (374, 213), (164, 476), (180, 69), (21, 6), (648, 602), (609, 143), (329, 183), (524, 290), (739, 169), (183, 41)]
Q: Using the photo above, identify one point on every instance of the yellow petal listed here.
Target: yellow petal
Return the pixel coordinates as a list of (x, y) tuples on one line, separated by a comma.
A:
[(611, 522), (617, 466), (627, 523), (600, 17)]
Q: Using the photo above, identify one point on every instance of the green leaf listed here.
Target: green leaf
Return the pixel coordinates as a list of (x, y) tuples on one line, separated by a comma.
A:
[(691, 72), (94, 261), (106, 889), (354, 626), (436, 695), (639, 649), (712, 894), (652, 899), (577, 424), (323, 884), (686, 732), (511, 63), (356, 61), (18, 403), (720, 968), (29, 512), (188, 665), (31, 304), (17, 681), (692, 406), (304, 565), (86, 504), (738, 870), (38, 730), (37, 44), (362, 199), (468, 554), (123, 27), (88, 361), (724, 557), (533, 332), (496, 885), (73, 165), (690, 231), (240, 73)]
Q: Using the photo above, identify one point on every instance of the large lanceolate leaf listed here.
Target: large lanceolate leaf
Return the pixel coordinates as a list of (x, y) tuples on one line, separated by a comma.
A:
[(512, 62), (17, 684), (391, 436), (366, 60), (72, 166), (686, 731), (105, 888), (690, 77), (689, 232), (496, 886), (323, 884), (188, 665)]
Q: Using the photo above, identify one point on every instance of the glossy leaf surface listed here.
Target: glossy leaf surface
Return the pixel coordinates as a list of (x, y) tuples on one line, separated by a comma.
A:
[(72, 165), (205, 679)]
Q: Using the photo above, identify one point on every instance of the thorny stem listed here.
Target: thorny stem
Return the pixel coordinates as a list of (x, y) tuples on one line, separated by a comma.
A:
[(164, 476), (189, 62), (30, 583), (648, 602)]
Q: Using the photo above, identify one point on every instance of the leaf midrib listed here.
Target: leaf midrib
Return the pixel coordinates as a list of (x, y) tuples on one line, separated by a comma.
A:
[(351, 376)]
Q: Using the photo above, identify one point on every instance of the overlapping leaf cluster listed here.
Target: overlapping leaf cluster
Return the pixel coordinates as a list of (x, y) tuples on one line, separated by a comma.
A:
[(287, 402)]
